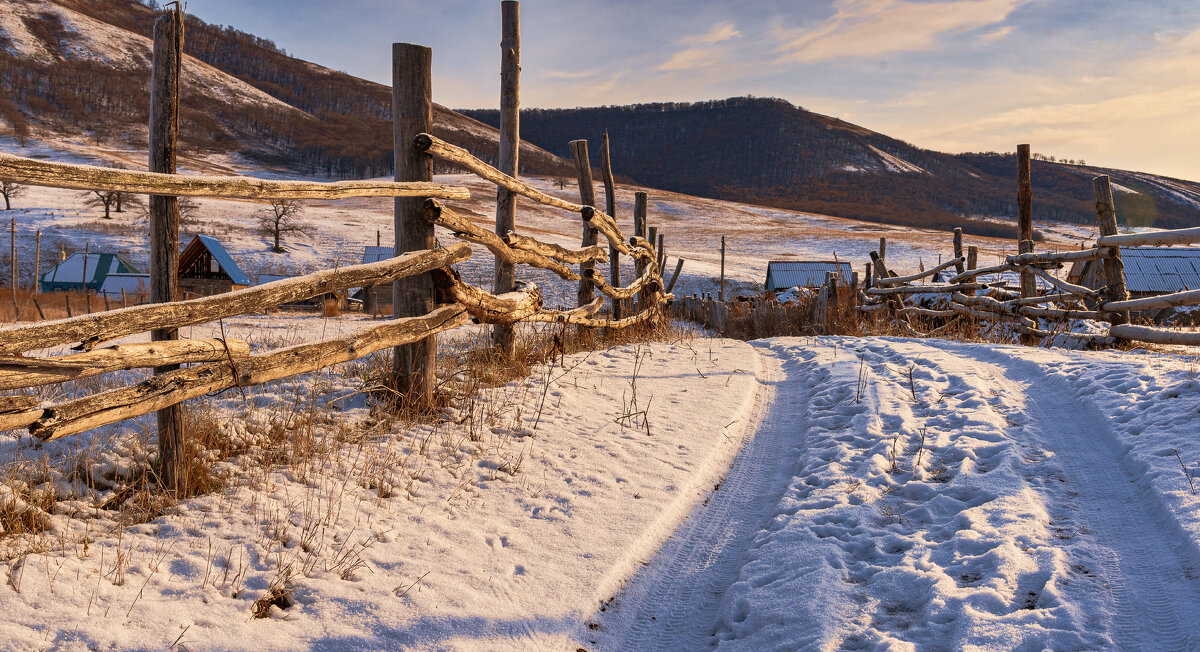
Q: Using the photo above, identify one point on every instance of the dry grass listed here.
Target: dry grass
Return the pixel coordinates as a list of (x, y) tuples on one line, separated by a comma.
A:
[(54, 304)]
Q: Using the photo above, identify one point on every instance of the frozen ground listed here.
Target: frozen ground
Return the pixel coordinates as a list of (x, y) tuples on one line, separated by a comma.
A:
[(830, 493)]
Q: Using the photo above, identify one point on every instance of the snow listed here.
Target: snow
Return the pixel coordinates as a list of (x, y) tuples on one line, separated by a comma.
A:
[(895, 163), (1036, 514)]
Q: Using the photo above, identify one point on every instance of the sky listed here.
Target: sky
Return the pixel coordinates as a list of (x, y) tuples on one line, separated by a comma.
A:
[(1113, 82)]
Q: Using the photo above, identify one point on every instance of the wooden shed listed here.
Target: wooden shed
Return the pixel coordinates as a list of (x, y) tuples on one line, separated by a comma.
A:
[(205, 268), (784, 274)]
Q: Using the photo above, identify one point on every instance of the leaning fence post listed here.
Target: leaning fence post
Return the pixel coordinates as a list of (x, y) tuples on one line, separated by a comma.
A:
[(1114, 268), (164, 225), (610, 203), (587, 196), (958, 249), (412, 113), (639, 230), (510, 145)]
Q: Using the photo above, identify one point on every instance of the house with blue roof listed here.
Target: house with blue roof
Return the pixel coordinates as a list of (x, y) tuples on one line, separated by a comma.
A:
[(205, 267), (784, 274)]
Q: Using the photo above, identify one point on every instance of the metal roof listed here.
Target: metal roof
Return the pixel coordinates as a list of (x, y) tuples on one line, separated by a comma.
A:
[(783, 274), (226, 261), (271, 278), (131, 283), (376, 254), (1161, 269), (93, 267)]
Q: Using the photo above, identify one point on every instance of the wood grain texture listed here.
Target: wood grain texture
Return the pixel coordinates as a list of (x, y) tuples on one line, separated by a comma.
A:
[(510, 139), (30, 372)]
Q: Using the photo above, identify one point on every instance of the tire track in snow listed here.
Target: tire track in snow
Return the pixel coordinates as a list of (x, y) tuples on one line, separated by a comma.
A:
[(673, 604), (1139, 556)]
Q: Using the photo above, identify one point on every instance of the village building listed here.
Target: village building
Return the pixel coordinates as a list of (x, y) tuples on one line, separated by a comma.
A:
[(81, 271), (376, 298), (206, 268), (1150, 271), (784, 274)]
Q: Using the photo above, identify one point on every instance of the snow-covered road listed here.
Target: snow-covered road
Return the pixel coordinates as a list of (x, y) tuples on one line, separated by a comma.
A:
[(902, 493)]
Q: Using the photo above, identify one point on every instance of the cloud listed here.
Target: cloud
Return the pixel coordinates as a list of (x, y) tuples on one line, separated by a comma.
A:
[(700, 52), (991, 37), (870, 28)]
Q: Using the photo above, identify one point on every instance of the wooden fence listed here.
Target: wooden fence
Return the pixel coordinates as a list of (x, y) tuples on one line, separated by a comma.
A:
[(1024, 309), (429, 296)]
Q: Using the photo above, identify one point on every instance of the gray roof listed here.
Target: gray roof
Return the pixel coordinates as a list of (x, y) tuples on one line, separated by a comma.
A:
[(226, 261), (804, 273), (1161, 269), (131, 283), (376, 254), (271, 278)]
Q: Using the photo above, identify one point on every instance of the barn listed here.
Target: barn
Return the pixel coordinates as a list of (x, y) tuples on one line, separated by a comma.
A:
[(1150, 271), (784, 274), (205, 268), (84, 270)]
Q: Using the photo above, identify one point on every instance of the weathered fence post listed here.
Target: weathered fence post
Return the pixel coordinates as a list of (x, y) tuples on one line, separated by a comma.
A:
[(662, 253), (1025, 217), (883, 253), (587, 196), (413, 364), (1114, 268), (164, 225), (510, 145), (639, 230), (958, 249), (721, 291), (610, 203), (972, 257)]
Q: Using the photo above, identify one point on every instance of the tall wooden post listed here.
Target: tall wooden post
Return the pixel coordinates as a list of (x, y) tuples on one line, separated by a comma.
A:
[(883, 251), (610, 204), (1114, 268), (412, 113), (639, 230), (972, 257), (587, 197), (721, 291), (164, 225), (662, 253), (510, 145), (958, 249), (1025, 217)]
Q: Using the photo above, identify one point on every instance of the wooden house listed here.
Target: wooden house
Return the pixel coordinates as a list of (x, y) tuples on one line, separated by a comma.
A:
[(376, 299), (205, 268), (1150, 271)]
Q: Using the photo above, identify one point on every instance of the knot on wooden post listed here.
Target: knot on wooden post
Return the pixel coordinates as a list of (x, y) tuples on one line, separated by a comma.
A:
[(589, 273), (423, 142), (587, 213)]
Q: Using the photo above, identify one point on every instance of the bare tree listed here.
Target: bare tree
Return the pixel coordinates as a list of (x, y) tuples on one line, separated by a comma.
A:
[(561, 181), (10, 190), (105, 199), (189, 213), (283, 216)]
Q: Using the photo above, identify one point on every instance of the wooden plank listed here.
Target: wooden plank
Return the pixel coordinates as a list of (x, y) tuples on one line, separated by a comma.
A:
[(435, 213), (1114, 268), (1186, 298), (1058, 258), (73, 417), (553, 251), (94, 329), (89, 177), (899, 280), (16, 372), (587, 195), (1156, 239), (413, 364), (1155, 335), (165, 81), (510, 138), (485, 308)]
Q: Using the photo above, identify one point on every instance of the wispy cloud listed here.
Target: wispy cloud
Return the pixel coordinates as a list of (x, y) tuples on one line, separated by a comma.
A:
[(701, 51), (869, 28)]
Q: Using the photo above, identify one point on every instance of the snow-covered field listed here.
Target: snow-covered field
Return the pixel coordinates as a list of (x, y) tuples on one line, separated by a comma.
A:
[(831, 493)]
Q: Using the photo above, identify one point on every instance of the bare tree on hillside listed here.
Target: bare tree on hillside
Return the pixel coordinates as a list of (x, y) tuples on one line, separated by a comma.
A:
[(105, 199), (10, 190), (283, 216)]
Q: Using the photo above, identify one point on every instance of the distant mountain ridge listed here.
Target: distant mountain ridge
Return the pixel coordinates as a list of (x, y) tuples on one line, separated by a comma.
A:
[(82, 67), (767, 151)]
